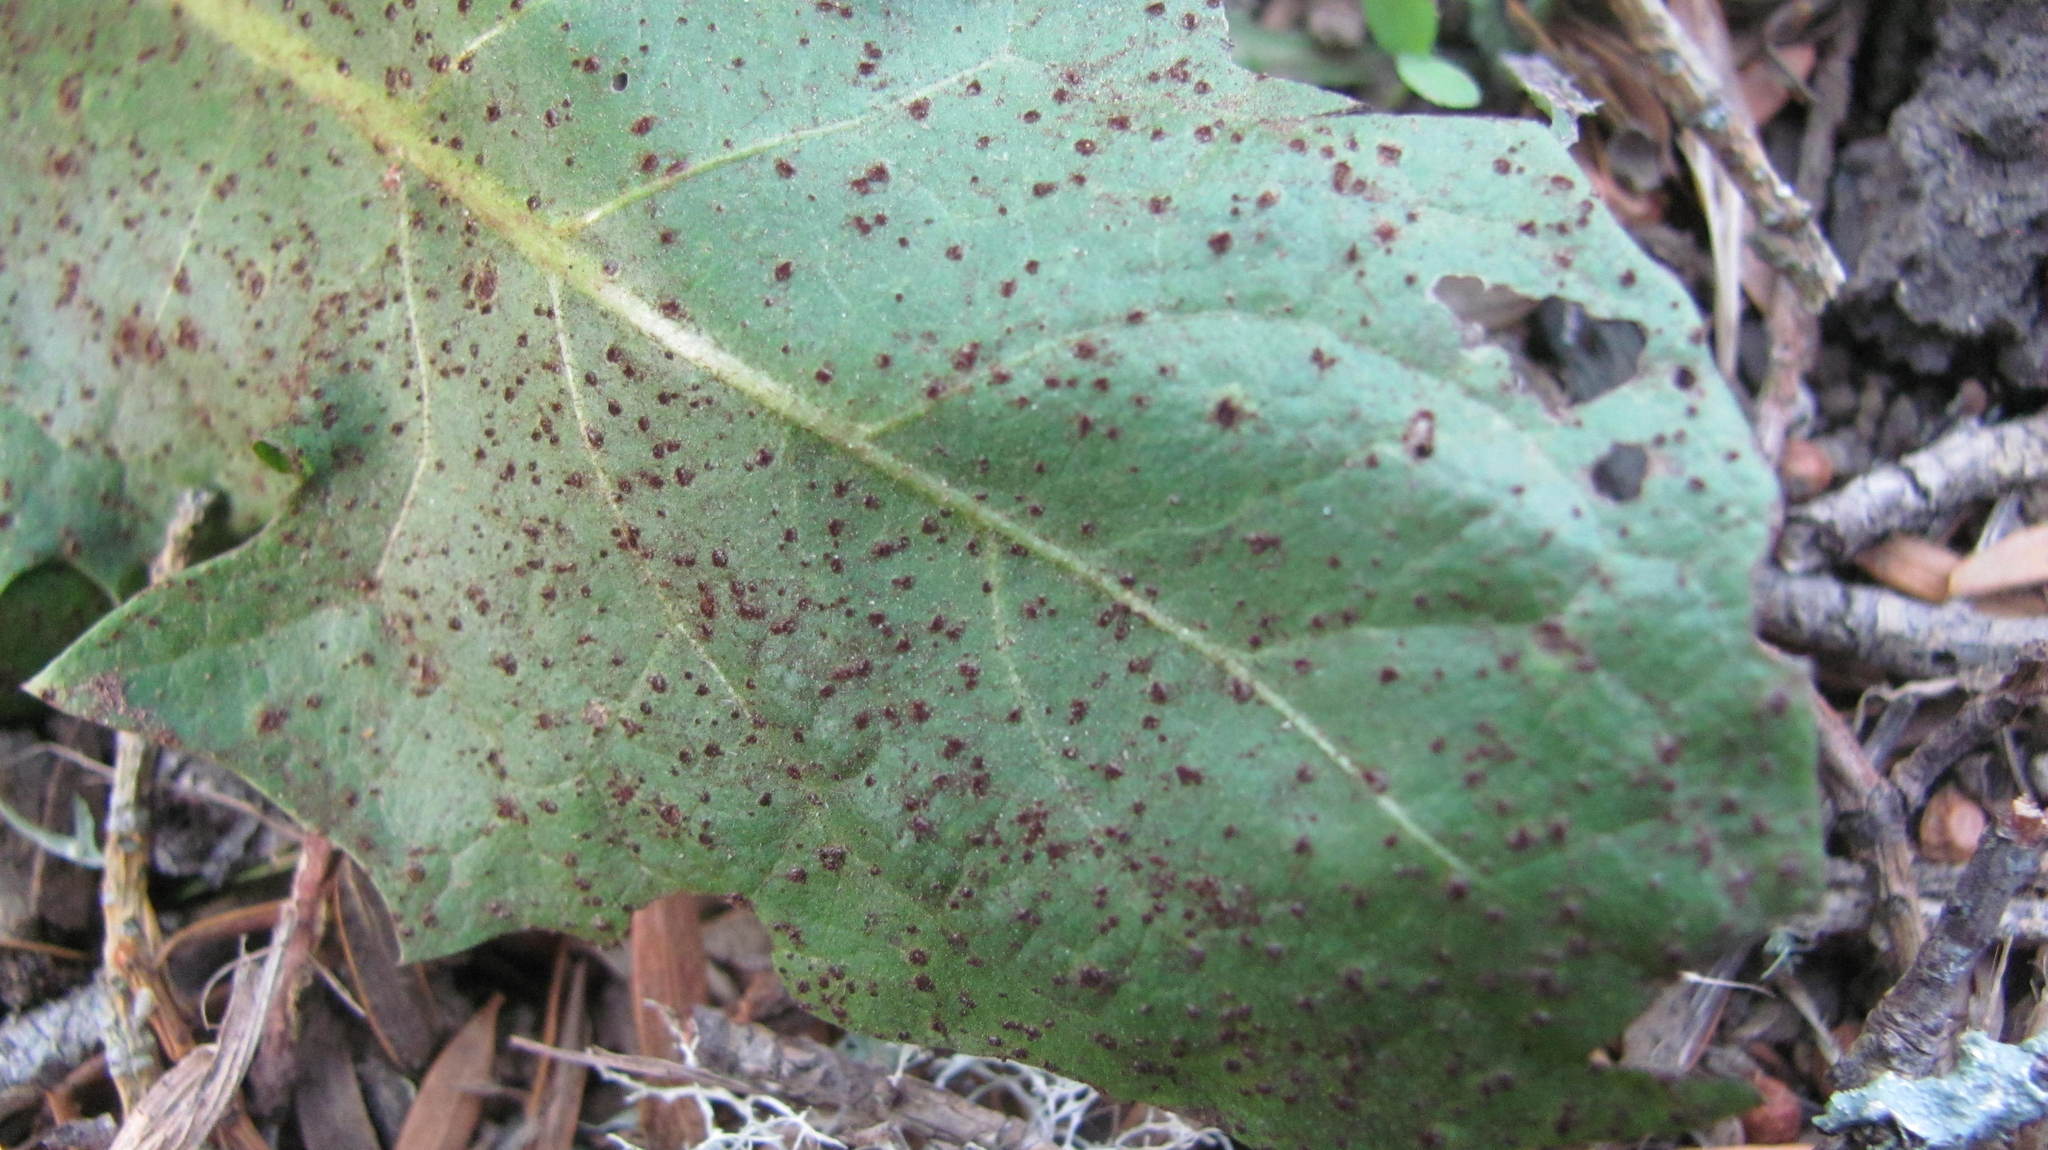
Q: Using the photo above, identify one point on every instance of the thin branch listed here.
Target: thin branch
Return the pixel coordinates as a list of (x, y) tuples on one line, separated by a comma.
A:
[(137, 997), (1847, 907), (1783, 402), (1913, 1028), (744, 1058), (1888, 631), (1857, 787), (1967, 464), (1980, 719), (1786, 235), (198, 1095)]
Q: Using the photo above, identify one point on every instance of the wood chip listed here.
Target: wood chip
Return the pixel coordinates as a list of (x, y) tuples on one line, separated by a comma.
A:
[(1950, 827), (443, 1116), (669, 981), (2018, 560), (1777, 1118), (1912, 565)]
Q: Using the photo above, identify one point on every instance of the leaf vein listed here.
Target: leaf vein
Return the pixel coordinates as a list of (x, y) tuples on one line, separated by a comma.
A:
[(465, 58), (652, 188), (378, 119), (678, 625), (409, 289)]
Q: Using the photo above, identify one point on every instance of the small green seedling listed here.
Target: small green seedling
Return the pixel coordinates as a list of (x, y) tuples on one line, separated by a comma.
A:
[(1406, 29), (79, 848)]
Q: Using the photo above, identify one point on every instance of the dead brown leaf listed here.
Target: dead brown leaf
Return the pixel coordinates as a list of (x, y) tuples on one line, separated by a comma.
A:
[(443, 1116)]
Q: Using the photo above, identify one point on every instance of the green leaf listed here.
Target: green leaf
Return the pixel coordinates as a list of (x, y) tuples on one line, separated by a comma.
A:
[(1296, 55), (274, 457), (1437, 80), (80, 848), (1402, 27), (998, 486), (41, 611), (115, 396)]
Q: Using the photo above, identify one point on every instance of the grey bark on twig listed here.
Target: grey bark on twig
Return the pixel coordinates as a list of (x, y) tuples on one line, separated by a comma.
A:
[(1900, 636), (1912, 1029), (38, 1046), (1968, 464), (1983, 717), (1785, 235), (750, 1059)]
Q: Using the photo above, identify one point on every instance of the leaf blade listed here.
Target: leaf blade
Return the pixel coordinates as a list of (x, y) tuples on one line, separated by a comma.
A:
[(709, 669), (1402, 27), (1438, 80)]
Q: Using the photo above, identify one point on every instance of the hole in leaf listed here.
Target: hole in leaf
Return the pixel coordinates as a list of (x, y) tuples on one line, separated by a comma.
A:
[(1619, 474), (1561, 353)]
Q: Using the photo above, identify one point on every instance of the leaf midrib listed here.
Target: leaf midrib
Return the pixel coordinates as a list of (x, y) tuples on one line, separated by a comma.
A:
[(388, 128)]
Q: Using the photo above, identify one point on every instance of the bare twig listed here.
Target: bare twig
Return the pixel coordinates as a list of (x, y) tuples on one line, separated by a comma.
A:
[(37, 1046), (1786, 235), (1830, 104), (1795, 330), (1855, 785), (46, 949), (1912, 1029), (805, 1070), (272, 1078), (557, 1091), (742, 1057), (132, 936), (181, 787), (1847, 907), (134, 991), (185, 1106), (1783, 402), (1721, 196), (1888, 631), (1969, 463), (1980, 719)]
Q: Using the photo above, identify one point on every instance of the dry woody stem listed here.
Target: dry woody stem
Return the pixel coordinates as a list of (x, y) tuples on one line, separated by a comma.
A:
[(1786, 235), (1968, 464), (197, 1097), (1911, 1030), (137, 997), (1979, 721), (746, 1058), (1887, 631), (1783, 402), (1856, 786)]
